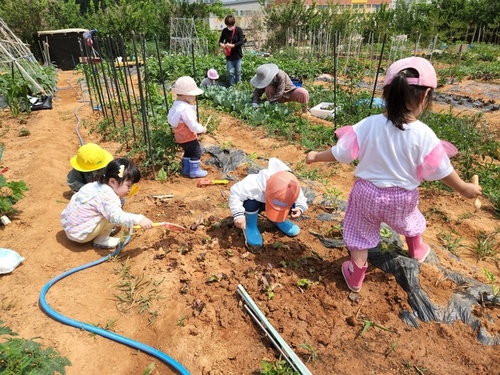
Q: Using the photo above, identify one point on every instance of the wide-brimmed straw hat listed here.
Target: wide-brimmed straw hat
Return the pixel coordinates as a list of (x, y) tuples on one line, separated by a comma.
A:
[(264, 74), (90, 157), (186, 86)]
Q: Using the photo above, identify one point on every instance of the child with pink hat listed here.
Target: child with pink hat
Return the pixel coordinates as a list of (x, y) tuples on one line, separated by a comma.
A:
[(396, 152), (210, 79)]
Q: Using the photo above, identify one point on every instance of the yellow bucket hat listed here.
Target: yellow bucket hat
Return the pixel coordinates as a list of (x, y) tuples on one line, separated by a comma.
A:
[(90, 157)]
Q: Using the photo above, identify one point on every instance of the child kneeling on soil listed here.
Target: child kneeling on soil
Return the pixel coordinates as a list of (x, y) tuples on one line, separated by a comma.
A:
[(88, 164), (274, 190), (396, 152), (182, 117), (94, 210)]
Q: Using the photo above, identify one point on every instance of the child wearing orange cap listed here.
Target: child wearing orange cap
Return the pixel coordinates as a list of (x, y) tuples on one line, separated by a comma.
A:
[(274, 190), (88, 164)]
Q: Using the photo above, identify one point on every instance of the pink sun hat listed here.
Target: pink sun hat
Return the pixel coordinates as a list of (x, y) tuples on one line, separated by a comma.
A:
[(212, 74), (426, 72)]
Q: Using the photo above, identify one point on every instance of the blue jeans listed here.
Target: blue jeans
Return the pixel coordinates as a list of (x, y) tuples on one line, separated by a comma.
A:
[(234, 71)]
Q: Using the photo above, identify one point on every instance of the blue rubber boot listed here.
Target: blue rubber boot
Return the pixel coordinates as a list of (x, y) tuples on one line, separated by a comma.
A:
[(185, 166), (194, 169), (289, 228), (252, 234)]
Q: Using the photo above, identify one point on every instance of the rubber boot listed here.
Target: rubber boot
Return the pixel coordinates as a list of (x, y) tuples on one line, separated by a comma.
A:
[(417, 249), (353, 275), (289, 228), (194, 169), (185, 166), (252, 234)]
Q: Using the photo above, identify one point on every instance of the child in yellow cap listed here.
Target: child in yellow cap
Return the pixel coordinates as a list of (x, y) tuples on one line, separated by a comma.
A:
[(88, 164), (93, 212)]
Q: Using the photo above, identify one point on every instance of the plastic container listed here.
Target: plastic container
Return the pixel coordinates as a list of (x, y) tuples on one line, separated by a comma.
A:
[(297, 82), (324, 110)]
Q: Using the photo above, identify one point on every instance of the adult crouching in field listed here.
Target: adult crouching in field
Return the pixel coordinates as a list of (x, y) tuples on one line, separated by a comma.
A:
[(232, 40), (277, 86)]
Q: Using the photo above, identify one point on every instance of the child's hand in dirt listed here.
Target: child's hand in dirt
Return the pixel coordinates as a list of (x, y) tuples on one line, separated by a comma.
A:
[(240, 222), (296, 212)]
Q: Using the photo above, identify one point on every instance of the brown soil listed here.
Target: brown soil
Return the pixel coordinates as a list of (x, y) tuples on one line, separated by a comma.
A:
[(186, 283)]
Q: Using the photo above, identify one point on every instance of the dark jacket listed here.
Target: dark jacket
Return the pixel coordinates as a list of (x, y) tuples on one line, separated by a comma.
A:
[(237, 40), (283, 86)]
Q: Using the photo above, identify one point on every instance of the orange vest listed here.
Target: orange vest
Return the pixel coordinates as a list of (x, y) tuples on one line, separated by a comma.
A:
[(183, 134)]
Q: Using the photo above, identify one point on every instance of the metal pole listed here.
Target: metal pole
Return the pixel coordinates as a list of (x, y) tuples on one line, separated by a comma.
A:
[(378, 69)]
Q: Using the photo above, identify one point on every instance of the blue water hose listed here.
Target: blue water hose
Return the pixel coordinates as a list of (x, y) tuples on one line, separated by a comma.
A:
[(99, 331)]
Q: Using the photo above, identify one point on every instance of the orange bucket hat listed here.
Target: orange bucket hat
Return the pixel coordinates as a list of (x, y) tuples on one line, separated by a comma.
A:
[(90, 157)]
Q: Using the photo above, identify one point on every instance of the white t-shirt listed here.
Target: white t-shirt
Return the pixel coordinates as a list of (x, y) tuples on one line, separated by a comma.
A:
[(389, 156)]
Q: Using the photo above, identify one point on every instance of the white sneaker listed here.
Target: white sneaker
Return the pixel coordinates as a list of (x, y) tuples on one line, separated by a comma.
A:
[(106, 242)]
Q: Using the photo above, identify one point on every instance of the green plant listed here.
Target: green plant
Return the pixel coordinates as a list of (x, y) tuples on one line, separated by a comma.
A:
[(26, 357), (486, 245), (23, 132), (162, 175), (150, 368), (495, 289), (450, 241), (368, 323), (312, 352), (280, 367), (10, 193), (181, 320), (305, 283), (136, 291)]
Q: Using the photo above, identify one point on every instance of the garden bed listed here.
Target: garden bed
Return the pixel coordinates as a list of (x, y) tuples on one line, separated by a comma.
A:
[(188, 306)]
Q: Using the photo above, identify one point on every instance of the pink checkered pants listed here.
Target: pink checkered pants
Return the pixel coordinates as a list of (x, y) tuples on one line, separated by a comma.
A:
[(369, 206)]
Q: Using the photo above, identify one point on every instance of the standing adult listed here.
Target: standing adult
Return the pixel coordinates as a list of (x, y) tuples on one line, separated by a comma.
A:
[(277, 86), (231, 40)]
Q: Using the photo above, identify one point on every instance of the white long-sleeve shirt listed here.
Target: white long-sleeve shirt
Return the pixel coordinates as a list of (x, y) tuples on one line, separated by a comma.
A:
[(253, 187), (87, 207)]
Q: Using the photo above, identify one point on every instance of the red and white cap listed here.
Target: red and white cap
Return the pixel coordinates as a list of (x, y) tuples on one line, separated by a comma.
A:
[(426, 72), (282, 190)]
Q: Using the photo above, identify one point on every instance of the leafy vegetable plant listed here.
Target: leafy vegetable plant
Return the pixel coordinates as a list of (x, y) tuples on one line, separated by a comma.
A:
[(26, 357)]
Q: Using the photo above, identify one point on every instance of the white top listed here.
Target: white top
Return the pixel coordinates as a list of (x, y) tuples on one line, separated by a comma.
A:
[(186, 113), (253, 187), (389, 156)]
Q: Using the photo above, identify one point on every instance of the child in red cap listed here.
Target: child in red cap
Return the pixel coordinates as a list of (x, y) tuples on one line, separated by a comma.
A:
[(396, 152), (274, 190)]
